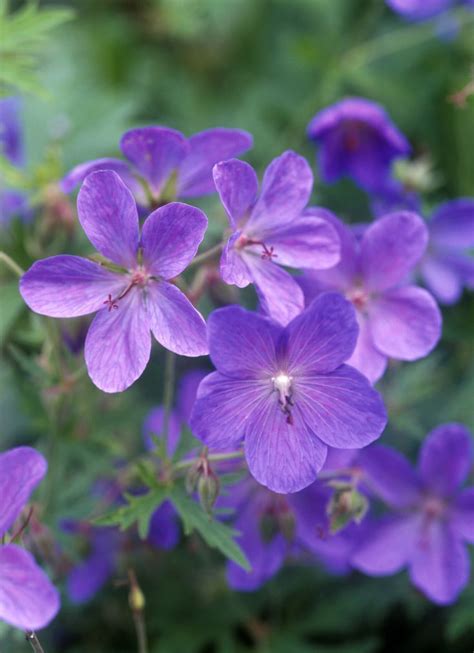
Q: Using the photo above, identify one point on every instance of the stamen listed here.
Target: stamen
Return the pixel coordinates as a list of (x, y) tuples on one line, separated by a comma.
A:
[(282, 385), (268, 253)]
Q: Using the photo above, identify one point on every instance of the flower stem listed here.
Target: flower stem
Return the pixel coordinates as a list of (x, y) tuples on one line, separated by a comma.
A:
[(11, 264), (213, 457), (205, 256), (170, 369), (32, 638)]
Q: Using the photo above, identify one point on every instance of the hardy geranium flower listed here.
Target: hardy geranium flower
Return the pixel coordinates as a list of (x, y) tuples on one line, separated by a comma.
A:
[(28, 600), (170, 165), (419, 9), (285, 392), (432, 515), (396, 320), (12, 202), (447, 265), (357, 138), (270, 231), (134, 298)]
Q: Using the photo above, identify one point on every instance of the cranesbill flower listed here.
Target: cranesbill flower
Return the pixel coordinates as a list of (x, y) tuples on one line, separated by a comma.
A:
[(12, 202), (171, 165), (419, 9), (132, 299), (356, 138), (269, 231), (285, 392), (432, 516), (447, 265), (396, 320), (28, 600)]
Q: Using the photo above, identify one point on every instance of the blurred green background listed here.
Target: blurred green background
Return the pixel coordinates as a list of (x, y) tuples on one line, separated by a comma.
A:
[(266, 66)]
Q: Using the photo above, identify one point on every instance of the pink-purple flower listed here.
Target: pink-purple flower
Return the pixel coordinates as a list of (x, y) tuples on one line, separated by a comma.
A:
[(396, 319), (356, 138), (28, 600), (269, 231), (432, 516), (133, 295), (285, 391)]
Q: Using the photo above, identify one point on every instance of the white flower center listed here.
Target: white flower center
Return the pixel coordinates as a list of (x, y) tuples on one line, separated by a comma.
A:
[(282, 384)]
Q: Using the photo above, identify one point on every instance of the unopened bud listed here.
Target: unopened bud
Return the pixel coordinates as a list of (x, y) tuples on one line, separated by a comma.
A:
[(136, 598), (192, 478), (346, 504), (208, 487)]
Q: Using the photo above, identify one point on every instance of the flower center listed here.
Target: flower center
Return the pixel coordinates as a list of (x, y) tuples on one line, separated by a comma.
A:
[(433, 507), (139, 277), (359, 298), (267, 253), (353, 134), (282, 384)]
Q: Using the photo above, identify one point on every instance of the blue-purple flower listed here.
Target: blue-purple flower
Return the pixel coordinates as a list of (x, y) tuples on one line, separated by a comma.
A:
[(285, 392), (419, 9), (396, 320), (356, 138), (28, 600), (12, 202), (431, 517), (168, 164), (268, 231), (133, 295)]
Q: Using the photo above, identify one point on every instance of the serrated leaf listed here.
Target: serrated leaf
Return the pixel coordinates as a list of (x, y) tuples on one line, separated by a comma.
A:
[(215, 533), (139, 510)]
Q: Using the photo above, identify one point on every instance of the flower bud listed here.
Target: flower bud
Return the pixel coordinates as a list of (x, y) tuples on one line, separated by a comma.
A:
[(208, 490), (346, 504)]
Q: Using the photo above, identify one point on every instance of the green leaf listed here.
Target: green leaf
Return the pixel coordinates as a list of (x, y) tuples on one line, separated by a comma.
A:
[(215, 533), (139, 510), (12, 303)]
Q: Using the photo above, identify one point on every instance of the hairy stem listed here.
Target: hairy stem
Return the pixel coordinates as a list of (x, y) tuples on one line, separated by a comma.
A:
[(213, 457), (32, 638), (170, 369), (205, 256), (11, 264)]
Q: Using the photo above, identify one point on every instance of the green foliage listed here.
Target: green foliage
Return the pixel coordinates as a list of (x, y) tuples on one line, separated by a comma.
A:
[(139, 509)]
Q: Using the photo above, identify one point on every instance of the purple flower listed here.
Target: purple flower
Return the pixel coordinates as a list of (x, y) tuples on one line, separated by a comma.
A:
[(419, 9), (447, 265), (285, 392), (356, 138), (171, 165), (270, 230), (28, 600), (432, 516), (12, 202), (393, 196), (396, 320), (131, 303)]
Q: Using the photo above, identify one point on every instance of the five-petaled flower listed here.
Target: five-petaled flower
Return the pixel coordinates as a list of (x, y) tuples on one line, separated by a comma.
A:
[(270, 231), (28, 600), (163, 165), (432, 515), (357, 138), (133, 301), (396, 320), (285, 391)]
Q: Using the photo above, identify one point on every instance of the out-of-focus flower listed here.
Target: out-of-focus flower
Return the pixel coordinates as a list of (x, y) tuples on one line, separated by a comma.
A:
[(269, 231), (285, 392), (356, 138), (396, 320), (170, 165), (132, 294), (12, 203), (432, 515), (28, 600), (419, 9)]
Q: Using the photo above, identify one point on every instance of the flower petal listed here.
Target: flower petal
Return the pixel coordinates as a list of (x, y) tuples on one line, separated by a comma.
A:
[(222, 408), (391, 247), (118, 344), (28, 600), (386, 546), (206, 149), (405, 323), (242, 344), (446, 457), (440, 564), (322, 337), (163, 532), (108, 214), (463, 514), (365, 357), (155, 152), (284, 457), (280, 295), (341, 408), (153, 427), (89, 576), (286, 189), (187, 392), (21, 469), (68, 286), (390, 476), (171, 236), (237, 185), (233, 268), (441, 279), (77, 175), (452, 225), (174, 321)]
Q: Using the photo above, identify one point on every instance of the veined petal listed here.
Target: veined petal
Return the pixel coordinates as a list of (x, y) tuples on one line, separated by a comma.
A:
[(118, 344), (233, 268), (174, 321), (155, 152), (21, 469), (365, 357), (405, 323), (68, 286), (207, 148), (77, 175), (108, 214), (223, 407), (237, 185), (28, 600), (171, 236), (391, 247), (341, 407), (463, 514)]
